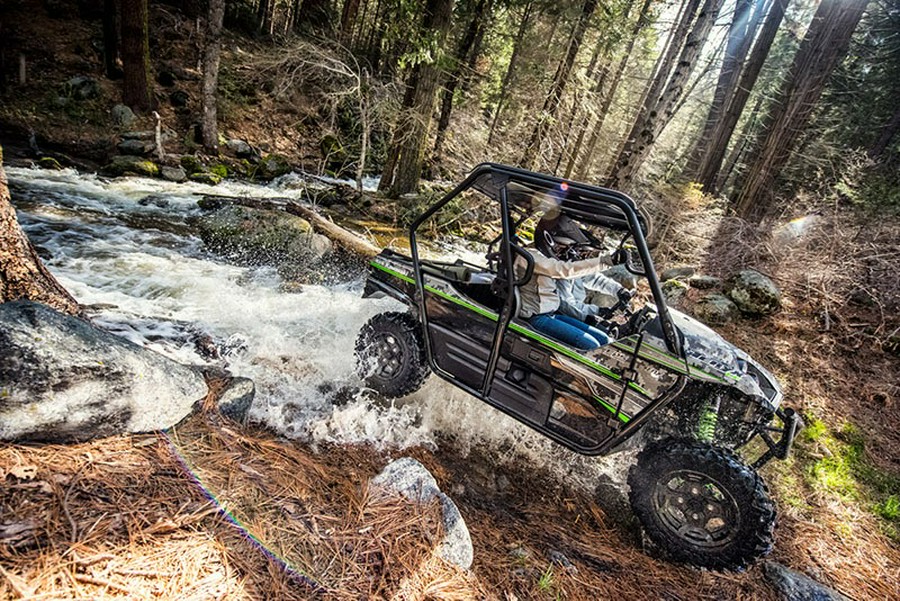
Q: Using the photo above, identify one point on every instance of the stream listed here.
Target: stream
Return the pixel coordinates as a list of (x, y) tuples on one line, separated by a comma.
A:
[(124, 247)]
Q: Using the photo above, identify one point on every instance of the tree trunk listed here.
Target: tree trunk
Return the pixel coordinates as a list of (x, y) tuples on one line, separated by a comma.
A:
[(211, 55), (887, 134), (728, 77), (265, 16), (824, 45), (711, 162), (459, 63), (654, 119), (643, 20), (404, 164), (510, 69), (136, 56), (563, 72), (22, 273), (110, 40), (348, 20)]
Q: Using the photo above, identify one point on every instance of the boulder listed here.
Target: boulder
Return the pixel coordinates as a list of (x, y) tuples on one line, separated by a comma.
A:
[(173, 174), (122, 115), (682, 272), (408, 478), (131, 165), (179, 98), (715, 310), (138, 135), (64, 380), (192, 164), (259, 236), (674, 291), (136, 147), (754, 293), (236, 399), (82, 87), (794, 586), (204, 177), (272, 166), (704, 282), (622, 276), (239, 148)]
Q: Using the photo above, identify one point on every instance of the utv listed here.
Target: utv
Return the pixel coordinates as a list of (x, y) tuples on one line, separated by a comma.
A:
[(694, 398)]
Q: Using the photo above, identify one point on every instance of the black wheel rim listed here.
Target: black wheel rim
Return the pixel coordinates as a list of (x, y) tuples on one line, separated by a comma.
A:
[(696, 509), (387, 351)]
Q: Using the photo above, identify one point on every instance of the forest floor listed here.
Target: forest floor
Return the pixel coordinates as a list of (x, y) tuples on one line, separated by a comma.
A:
[(211, 510)]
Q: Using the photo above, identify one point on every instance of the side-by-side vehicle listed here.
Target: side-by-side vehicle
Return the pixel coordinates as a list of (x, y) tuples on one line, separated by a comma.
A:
[(666, 382)]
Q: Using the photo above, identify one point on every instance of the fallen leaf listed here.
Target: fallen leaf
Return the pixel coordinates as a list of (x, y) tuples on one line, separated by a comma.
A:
[(23, 472)]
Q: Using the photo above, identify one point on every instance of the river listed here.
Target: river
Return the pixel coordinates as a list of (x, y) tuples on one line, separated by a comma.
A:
[(124, 247)]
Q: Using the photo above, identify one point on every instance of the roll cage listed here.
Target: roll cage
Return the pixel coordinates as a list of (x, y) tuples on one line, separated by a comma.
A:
[(515, 191)]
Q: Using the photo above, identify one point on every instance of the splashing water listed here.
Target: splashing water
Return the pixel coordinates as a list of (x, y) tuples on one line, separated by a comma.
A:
[(125, 247)]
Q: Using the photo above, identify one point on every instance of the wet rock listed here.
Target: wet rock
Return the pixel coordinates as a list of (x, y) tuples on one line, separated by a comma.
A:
[(204, 177), (272, 166), (192, 164), (681, 272), (409, 478), (136, 147), (49, 163), (704, 282), (236, 399), (65, 380), (155, 200), (131, 165), (82, 87), (754, 293), (122, 115), (794, 586), (258, 236), (173, 174), (715, 310), (674, 291), (239, 148)]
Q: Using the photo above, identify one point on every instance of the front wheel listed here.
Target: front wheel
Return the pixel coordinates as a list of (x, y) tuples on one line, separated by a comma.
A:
[(390, 354), (701, 505)]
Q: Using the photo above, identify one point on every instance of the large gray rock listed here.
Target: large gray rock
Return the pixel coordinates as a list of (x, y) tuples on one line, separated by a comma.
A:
[(239, 148), (622, 276), (272, 166), (682, 272), (715, 310), (794, 586), (409, 478), (674, 291), (136, 147), (754, 293), (261, 236), (122, 115), (62, 380), (173, 174)]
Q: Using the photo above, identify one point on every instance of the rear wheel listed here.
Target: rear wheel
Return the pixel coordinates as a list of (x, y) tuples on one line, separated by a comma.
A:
[(702, 505), (390, 354)]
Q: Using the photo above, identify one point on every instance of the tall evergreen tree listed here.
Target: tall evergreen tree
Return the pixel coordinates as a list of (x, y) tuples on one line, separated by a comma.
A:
[(824, 45), (136, 85), (657, 113), (560, 80), (404, 162), (212, 52)]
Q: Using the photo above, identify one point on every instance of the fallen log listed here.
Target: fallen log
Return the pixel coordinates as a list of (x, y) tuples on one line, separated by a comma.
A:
[(342, 237)]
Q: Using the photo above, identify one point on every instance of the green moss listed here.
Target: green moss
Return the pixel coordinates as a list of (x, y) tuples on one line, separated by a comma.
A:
[(192, 164), (815, 430), (49, 163), (220, 170), (205, 178)]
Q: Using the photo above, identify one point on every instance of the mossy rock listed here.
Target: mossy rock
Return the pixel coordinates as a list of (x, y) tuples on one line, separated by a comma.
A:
[(203, 177), (131, 165), (674, 291), (715, 310), (272, 166), (754, 293), (258, 236), (192, 164), (49, 163), (220, 170)]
